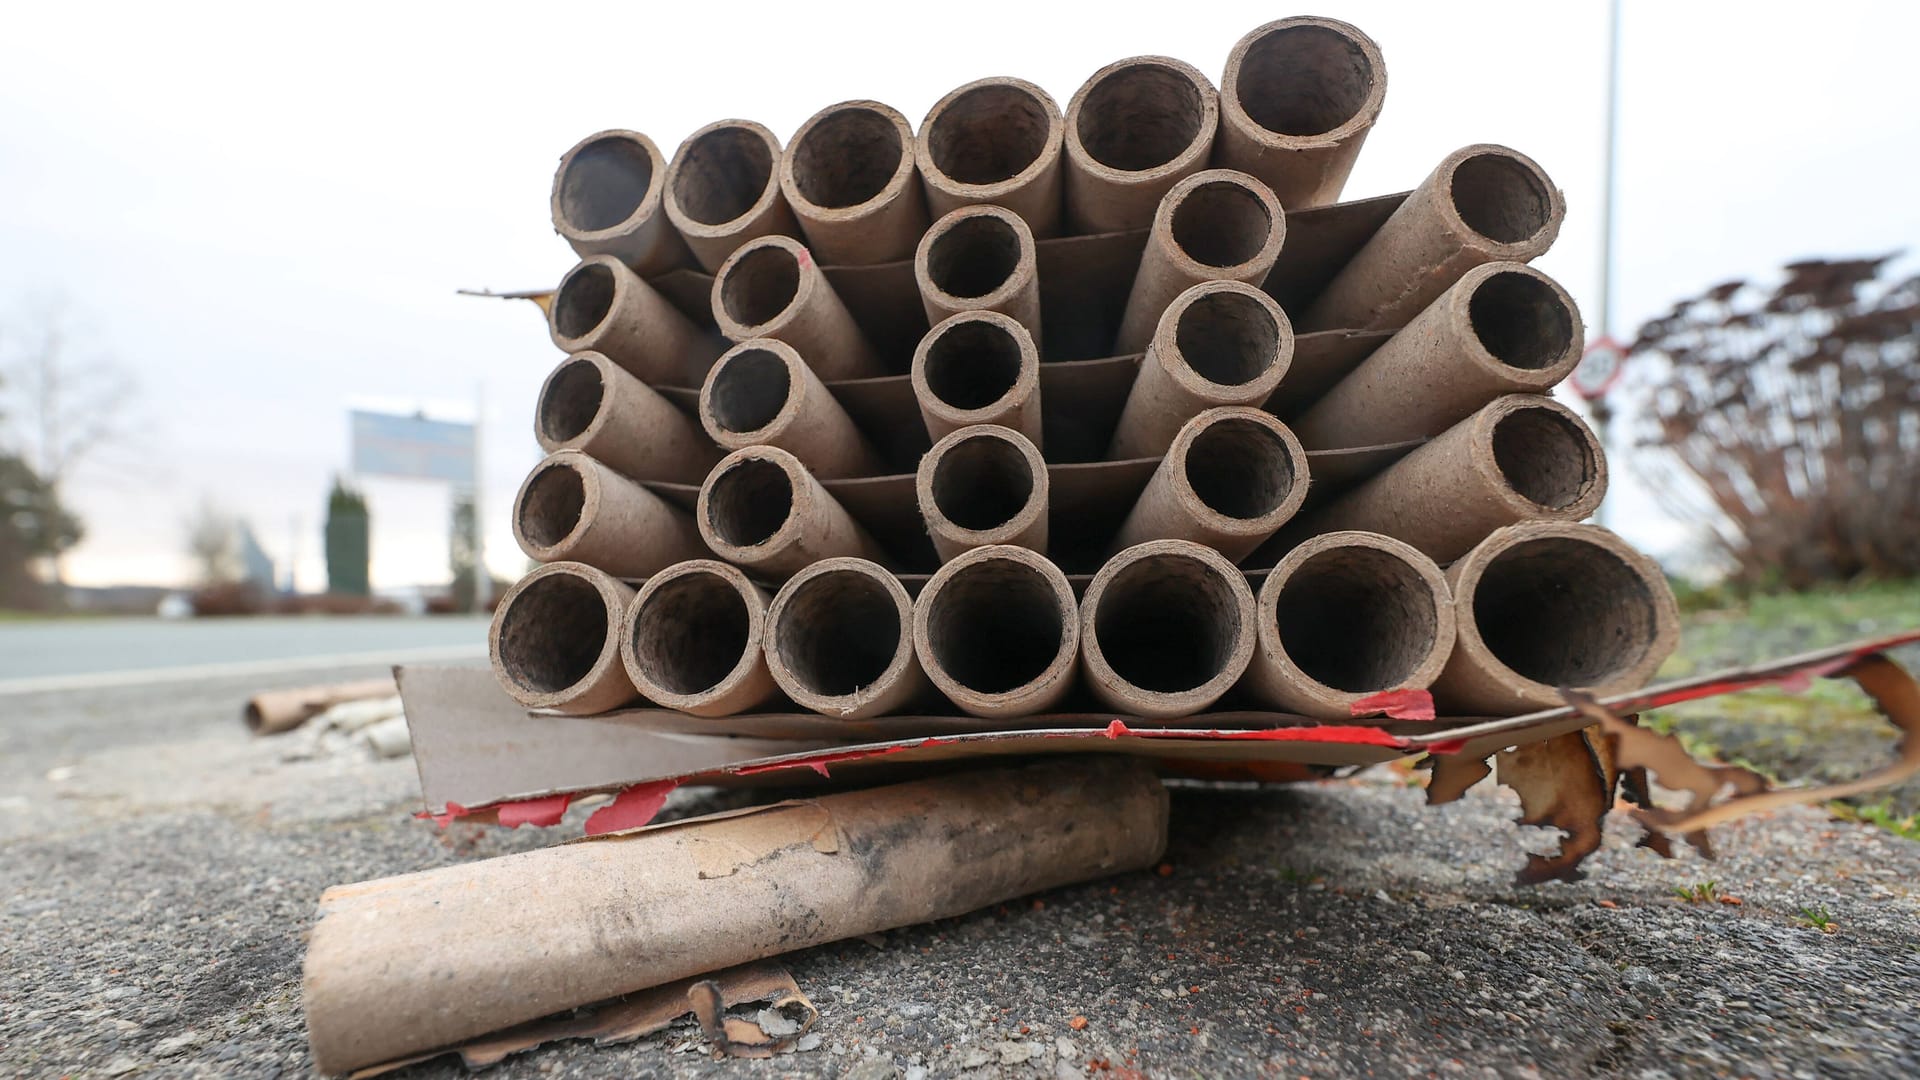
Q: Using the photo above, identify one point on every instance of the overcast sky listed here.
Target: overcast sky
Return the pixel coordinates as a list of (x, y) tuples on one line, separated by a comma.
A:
[(263, 211)]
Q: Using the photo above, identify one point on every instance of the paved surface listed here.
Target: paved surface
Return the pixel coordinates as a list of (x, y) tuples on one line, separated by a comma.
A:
[(48, 649), (158, 871)]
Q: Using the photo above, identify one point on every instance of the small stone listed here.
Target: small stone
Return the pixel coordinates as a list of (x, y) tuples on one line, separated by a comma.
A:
[(975, 1058), (1419, 956), (176, 1044), (1064, 1047), (809, 1041), (1014, 1053)]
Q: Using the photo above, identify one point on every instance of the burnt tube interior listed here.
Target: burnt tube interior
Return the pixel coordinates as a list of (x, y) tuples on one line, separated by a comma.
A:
[(1546, 456), (551, 633), (972, 364), (571, 401), (691, 632), (1240, 468), (1221, 223), (1304, 80), (1227, 337), (750, 387), (761, 285), (1167, 623), (989, 134), (838, 632), (1357, 619), (847, 158), (975, 256), (604, 183), (585, 297), (551, 506), (982, 482), (1140, 117), (1521, 320), (1500, 198), (722, 174), (1564, 612), (749, 502), (996, 625)]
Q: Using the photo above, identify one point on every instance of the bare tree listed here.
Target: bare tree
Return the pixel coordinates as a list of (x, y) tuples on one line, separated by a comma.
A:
[(213, 540)]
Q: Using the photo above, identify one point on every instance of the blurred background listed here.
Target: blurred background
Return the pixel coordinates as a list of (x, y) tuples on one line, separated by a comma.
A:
[(228, 230)]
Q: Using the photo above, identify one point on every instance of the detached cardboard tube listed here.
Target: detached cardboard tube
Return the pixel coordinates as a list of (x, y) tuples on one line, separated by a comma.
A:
[(983, 485), (1503, 329), (762, 393), (998, 141), (518, 937), (849, 176), (997, 631), (771, 288), (840, 640), (1545, 605), (1133, 130), (601, 306), (978, 367), (1232, 478), (1166, 627), (1217, 225), (606, 201), (274, 711), (1218, 343), (761, 509), (573, 508), (1484, 204), (723, 190), (1347, 615), (555, 640), (1522, 458), (1296, 103), (692, 640), (979, 258), (592, 405)]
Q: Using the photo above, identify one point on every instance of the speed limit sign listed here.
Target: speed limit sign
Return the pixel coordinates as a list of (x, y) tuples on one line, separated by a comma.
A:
[(1599, 368)]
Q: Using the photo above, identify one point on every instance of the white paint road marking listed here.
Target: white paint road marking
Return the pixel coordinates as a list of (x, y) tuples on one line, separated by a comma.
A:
[(39, 684)]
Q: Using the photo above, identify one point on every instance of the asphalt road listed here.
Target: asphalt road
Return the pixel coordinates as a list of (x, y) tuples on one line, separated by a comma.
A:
[(158, 870)]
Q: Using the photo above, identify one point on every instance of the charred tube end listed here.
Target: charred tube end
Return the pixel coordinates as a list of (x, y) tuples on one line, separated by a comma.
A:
[(1529, 332), (839, 638), (605, 182), (760, 286), (555, 499), (1350, 614), (1543, 457), (1142, 117), (1223, 223), (988, 137), (1303, 82), (1551, 604), (968, 368), (975, 256), (1504, 198), (982, 485), (846, 157), (1225, 341), (997, 630), (1166, 627), (584, 299), (692, 638), (572, 402), (752, 394), (721, 177), (553, 637), (750, 501), (1241, 470)]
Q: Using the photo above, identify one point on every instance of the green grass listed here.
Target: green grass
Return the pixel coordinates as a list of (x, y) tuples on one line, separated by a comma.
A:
[(1817, 918), (1704, 892)]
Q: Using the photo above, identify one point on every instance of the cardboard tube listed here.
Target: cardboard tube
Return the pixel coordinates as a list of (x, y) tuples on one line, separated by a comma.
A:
[(849, 176), (1166, 627), (983, 485), (840, 640), (592, 405), (1218, 343), (521, 936), (1133, 130), (601, 306), (1503, 329), (1484, 204), (1544, 605), (761, 509), (555, 640), (997, 631), (1217, 225), (1522, 458), (722, 190), (997, 141), (1347, 615), (1232, 477), (762, 393), (692, 640), (979, 258), (606, 201), (1296, 102), (771, 287), (978, 367), (576, 509), (274, 711)]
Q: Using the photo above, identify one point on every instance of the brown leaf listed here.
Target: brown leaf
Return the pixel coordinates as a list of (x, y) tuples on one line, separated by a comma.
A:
[(734, 1036), (1453, 774), (1564, 783)]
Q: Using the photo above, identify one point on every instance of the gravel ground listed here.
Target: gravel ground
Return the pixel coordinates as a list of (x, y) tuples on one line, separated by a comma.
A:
[(158, 872)]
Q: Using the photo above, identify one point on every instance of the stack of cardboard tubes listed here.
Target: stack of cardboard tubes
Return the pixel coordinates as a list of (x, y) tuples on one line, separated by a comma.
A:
[(1458, 568)]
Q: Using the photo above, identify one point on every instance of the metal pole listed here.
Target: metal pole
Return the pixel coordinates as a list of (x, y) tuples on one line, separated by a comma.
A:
[(1602, 412), (482, 577)]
